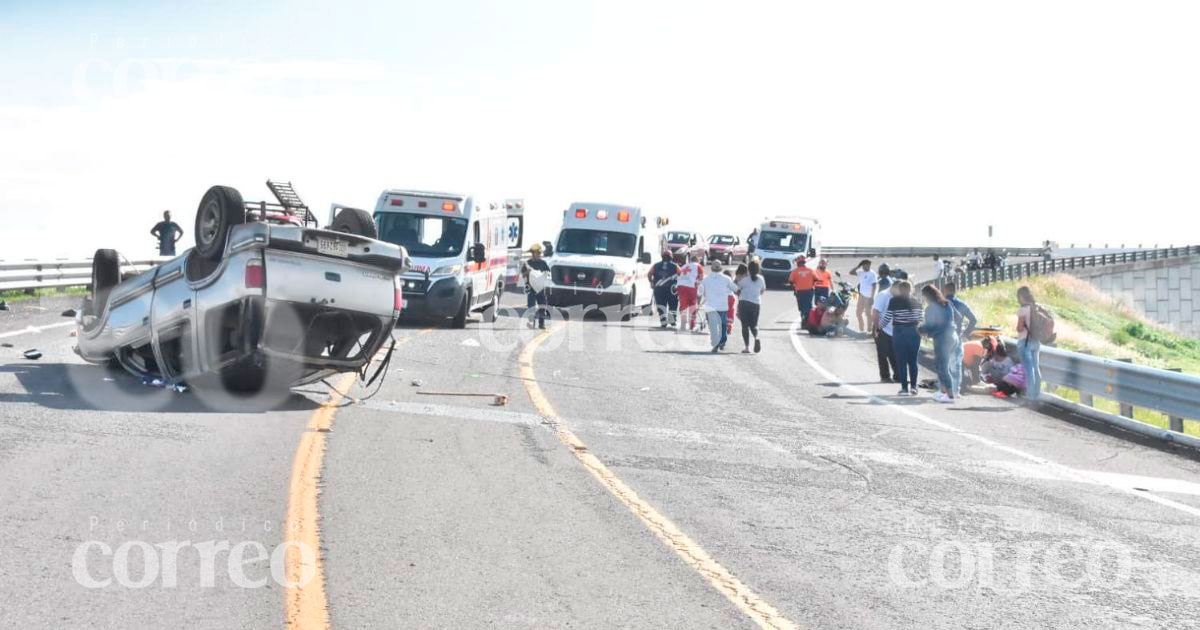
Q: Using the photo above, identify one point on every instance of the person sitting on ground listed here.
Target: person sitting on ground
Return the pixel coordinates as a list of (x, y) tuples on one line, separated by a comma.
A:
[(997, 370)]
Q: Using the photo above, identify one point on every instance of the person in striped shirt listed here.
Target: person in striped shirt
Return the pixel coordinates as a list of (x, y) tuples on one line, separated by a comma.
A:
[(903, 315)]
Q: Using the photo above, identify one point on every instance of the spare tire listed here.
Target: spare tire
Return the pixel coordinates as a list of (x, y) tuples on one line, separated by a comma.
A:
[(355, 221), (220, 209), (106, 274)]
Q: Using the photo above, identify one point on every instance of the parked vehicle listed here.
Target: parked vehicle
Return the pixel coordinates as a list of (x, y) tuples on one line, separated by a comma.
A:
[(727, 248), (603, 257), (781, 240), (459, 246), (261, 301), (682, 243), (514, 232)]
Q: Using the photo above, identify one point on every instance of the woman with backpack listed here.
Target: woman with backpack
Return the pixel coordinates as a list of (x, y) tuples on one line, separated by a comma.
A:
[(1034, 324), (940, 327)]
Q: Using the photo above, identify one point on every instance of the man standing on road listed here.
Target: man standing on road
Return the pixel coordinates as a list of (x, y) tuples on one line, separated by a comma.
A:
[(718, 288), (866, 294), (962, 314), (803, 281), (751, 243), (663, 277), (535, 296), (168, 233), (822, 282), (689, 278), (884, 351)]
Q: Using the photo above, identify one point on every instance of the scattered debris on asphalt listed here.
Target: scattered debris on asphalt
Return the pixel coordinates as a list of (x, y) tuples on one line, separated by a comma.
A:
[(33, 354), (3, 305), (69, 313), (150, 381), (74, 333), (471, 342), (416, 382), (498, 400), (6, 345)]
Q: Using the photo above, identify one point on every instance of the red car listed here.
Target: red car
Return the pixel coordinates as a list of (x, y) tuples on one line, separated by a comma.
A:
[(727, 249), (682, 243)]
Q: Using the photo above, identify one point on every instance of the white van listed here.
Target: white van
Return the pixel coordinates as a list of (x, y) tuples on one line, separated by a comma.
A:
[(781, 240), (603, 257), (459, 249)]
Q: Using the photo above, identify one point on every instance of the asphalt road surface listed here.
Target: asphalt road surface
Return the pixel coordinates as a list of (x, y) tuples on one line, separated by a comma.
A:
[(632, 480)]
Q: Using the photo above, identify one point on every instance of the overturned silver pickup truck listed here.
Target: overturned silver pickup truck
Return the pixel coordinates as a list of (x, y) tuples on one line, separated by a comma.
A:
[(262, 301)]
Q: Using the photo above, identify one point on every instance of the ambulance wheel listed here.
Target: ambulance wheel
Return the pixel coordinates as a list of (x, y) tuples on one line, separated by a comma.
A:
[(627, 308), (493, 307), (460, 318)]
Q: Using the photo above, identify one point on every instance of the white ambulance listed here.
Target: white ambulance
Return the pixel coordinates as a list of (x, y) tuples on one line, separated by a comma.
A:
[(781, 240), (603, 257), (459, 249)]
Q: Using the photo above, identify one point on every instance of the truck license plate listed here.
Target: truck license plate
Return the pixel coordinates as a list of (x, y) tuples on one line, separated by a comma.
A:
[(332, 247)]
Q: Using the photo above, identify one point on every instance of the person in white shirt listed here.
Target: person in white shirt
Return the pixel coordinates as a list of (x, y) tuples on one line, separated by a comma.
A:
[(866, 294), (750, 287), (685, 287), (884, 353), (717, 289)]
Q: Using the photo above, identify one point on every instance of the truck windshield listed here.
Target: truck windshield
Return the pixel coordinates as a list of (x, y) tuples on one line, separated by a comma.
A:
[(782, 241), (422, 234), (679, 237), (721, 239), (598, 242)]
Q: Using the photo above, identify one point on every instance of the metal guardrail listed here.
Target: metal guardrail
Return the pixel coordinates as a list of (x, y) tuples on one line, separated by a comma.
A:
[(1016, 271), (31, 275), (924, 252), (1131, 386)]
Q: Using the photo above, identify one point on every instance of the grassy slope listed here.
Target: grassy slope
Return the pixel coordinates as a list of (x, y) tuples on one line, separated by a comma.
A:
[(1088, 320), (21, 296), (1091, 321)]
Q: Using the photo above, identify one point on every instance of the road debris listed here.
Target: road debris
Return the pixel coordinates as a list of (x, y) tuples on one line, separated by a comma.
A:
[(3, 305), (33, 354), (470, 341), (498, 400), (69, 313), (6, 345), (416, 382), (150, 381)]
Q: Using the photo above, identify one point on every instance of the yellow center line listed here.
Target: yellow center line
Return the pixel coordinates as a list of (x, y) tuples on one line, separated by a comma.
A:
[(304, 603), (746, 600)]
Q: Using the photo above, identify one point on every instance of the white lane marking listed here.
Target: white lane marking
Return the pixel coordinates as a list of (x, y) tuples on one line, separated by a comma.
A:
[(1063, 471), (29, 330)]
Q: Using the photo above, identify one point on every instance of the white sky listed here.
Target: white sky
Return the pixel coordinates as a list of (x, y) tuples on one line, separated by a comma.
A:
[(895, 123)]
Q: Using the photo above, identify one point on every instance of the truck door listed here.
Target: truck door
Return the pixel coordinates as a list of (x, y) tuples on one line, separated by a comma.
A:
[(173, 322)]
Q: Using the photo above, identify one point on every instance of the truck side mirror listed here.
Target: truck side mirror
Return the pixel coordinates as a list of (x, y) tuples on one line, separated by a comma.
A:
[(478, 253), (547, 248), (645, 258)]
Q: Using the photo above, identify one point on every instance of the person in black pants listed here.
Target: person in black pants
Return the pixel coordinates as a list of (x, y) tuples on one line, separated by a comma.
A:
[(532, 297), (903, 315), (666, 300)]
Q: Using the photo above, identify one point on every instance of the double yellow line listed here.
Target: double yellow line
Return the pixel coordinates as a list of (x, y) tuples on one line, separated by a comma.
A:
[(746, 600)]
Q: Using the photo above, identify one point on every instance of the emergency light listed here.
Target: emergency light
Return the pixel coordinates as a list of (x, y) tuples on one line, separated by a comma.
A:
[(396, 202), (623, 216), (448, 206), (602, 214), (581, 213)]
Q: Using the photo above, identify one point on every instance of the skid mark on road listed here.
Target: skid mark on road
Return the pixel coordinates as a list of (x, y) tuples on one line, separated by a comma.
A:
[(746, 600), (1060, 471), (304, 604)]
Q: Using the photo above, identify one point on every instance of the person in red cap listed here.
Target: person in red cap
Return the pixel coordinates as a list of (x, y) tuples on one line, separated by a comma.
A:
[(803, 282)]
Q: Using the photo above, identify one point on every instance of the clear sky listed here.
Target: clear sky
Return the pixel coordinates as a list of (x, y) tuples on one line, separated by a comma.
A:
[(894, 122)]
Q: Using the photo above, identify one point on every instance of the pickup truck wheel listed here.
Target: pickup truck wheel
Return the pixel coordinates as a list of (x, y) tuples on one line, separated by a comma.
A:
[(106, 274), (220, 209), (355, 221), (460, 318)]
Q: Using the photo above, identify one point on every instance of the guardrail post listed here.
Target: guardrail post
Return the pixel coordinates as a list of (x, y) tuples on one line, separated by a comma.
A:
[(1175, 423), (1126, 409)]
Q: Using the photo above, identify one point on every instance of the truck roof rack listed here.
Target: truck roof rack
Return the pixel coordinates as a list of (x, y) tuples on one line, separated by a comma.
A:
[(290, 206)]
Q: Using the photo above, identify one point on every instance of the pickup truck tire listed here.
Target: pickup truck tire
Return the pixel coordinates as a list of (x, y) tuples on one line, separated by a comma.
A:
[(220, 209), (355, 221), (106, 274)]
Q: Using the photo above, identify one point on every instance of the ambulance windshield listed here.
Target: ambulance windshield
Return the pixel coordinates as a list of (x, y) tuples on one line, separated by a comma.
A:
[(782, 241), (424, 235), (597, 242)]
